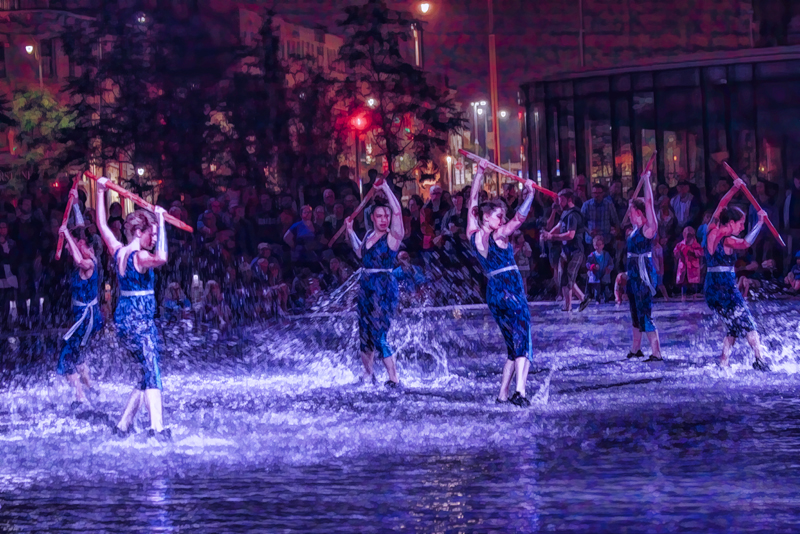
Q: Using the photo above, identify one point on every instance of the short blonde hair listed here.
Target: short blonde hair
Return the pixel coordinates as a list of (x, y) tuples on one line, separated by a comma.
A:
[(138, 220)]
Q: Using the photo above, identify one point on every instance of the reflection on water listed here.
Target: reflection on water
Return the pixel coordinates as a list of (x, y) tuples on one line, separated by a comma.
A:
[(271, 434)]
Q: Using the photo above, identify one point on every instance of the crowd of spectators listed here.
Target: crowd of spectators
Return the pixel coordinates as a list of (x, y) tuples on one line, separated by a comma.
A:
[(255, 254)]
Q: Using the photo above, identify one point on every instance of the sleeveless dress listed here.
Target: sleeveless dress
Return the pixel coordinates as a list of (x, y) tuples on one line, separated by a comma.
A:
[(133, 317), (722, 294), (641, 281), (506, 298), (377, 296), (88, 320)]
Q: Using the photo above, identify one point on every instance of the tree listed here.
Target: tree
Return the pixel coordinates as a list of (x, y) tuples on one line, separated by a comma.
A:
[(247, 127), (43, 126), (140, 86), (408, 113)]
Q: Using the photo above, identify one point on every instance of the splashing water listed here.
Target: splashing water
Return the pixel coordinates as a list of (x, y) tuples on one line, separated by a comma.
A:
[(271, 432)]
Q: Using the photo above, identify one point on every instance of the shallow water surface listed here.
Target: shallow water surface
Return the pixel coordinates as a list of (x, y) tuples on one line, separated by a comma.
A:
[(271, 433)]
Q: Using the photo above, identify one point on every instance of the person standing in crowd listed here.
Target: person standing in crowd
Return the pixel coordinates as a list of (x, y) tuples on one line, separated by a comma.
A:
[(791, 215), (687, 255), (793, 276), (86, 312), (344, 186), (722, 294), (569, 231), (378, 290), (685, 206), (615, 194), (438, 208), (301, 238), (134, 316), (489, 233), (642, 273), (8, 275), (599, 215), (599, 264)]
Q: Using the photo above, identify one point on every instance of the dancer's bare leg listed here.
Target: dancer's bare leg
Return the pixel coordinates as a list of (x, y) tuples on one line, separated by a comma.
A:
[(755, 342), (367, 358), (134, 401), (636, 344), (522, 366), (578, 293), (567, 292), (727, 345), (391, 368), (83, 371), (655, 343), (508, 373), (74, 381), (153, 399)]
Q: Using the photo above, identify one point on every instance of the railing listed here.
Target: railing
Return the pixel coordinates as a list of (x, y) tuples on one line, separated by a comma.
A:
[(16, 5)]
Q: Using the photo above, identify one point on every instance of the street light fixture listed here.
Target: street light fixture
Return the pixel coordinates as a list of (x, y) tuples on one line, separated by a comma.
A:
[(371, 102), (503, 114), (31, 49), (480, 111), (140, 171), (483, 102), (424, 7)]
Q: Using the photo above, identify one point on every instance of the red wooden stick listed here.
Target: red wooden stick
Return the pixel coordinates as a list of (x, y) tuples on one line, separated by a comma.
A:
[(139, 201), (358, 210), (755, 204), (639, 186), (501, 170), (60, 245)]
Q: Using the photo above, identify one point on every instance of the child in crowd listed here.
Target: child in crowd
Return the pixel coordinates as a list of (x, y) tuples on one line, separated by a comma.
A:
[(793, 278), (522, 255), (175, 306), (658, 261), (687, 255), (410, 279), (620, 286), (599, 264)]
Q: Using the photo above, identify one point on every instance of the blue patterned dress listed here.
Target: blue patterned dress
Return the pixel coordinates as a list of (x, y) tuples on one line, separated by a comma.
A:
[(377, 296), (134, 319), (506, 298), (88, 320), (640, 293), (722, 294)]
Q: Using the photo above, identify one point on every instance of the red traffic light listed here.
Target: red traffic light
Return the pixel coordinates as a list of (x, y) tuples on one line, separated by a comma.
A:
[(359, 122)]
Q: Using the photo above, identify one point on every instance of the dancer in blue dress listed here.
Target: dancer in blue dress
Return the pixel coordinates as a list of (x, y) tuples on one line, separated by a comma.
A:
[(136, 329), (86, 312), (722, 294), (378, 293), (489, 233), (642, 272)]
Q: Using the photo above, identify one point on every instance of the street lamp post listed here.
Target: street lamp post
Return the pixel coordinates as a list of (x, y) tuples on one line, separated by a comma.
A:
[(36, 49), (359, 124)]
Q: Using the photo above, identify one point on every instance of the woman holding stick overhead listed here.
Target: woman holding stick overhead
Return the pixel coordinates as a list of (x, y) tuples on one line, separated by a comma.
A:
[(378, 293), (489, 233), (720, 289), (642, 272), (85, 310), (134, 264)]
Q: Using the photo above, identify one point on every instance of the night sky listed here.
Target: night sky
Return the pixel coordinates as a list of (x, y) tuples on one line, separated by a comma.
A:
[(456, 39)]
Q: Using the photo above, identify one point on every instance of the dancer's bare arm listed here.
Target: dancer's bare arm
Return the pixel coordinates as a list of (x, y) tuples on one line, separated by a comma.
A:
[(651, 226), (474, 194), (147, 260), (520, 216), (84, 264), (396, 230), (355, 242), (102, 219)]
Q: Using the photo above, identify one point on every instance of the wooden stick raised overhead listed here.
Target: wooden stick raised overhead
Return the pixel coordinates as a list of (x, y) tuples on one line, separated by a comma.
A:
[(755, 204), (358, 210), (142, 203), (70, 201), (639, 187), (500, 170)]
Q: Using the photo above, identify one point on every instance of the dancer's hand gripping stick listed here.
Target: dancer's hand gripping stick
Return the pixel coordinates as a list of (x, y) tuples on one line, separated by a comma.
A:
[(754, 202)]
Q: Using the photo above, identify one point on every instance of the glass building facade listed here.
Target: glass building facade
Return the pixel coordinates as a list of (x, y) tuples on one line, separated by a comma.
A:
[(742, 107)]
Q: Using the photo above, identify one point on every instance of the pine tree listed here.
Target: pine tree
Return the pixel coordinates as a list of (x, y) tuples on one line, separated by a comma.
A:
[(409, 114)]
